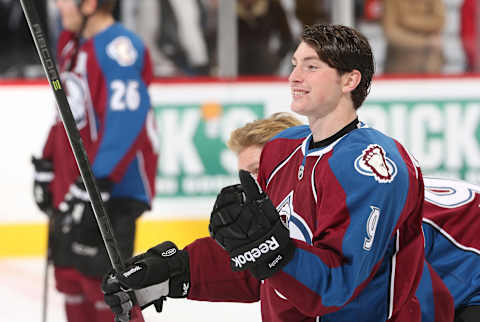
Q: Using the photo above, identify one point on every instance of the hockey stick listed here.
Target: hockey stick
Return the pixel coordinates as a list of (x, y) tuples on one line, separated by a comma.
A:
[(73, 134)]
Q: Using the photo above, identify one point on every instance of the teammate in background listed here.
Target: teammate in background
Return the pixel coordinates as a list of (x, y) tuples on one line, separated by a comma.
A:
[(452, 241), (248, 141), (105, 70), (351, 197)]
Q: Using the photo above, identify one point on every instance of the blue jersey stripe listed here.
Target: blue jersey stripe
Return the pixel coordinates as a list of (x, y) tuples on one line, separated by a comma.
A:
[(122, 125)]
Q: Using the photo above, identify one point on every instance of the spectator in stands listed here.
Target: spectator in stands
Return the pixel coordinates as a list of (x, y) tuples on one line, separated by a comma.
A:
[(18, 56), (310, 12), (210, 25), (264, 36), (174, 32), (469, 30), (413, 30)]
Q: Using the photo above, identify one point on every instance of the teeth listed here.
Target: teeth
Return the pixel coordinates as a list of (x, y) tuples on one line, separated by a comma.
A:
[(298, 92)]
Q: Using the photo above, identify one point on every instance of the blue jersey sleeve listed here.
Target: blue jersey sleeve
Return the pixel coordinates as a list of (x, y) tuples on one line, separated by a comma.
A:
[(458, 266)]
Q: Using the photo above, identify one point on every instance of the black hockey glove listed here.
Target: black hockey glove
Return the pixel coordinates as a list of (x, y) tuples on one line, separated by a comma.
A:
[(77, 202), (148, 278), (247, 225), (43, 176)]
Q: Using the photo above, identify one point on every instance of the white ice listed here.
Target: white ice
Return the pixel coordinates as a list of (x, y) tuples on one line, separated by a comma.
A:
[(21, 298)]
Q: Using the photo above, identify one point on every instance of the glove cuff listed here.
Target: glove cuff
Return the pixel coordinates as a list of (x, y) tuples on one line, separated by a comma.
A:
[(268, 268), (43, 170), (42, 164), (179, 285), (267, 255), (167, 261)]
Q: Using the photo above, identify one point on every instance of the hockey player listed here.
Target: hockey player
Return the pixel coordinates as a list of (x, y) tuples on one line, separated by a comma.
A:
[(106, 71), (351, 197), (452, 241)]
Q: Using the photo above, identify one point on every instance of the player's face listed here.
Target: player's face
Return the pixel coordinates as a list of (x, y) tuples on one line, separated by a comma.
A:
[(70, 14), (315, 86), (249, 158)]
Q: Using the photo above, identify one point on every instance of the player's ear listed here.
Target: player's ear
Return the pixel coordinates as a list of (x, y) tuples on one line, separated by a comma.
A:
[(351, 80)]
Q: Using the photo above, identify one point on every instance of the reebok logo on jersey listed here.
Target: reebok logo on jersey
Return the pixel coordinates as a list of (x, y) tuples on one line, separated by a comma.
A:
[(254, 253), (132, 270), (374, 162)]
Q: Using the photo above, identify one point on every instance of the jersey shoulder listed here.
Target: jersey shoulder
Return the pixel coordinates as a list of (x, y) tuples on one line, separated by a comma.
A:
[(370, 153), (364, 139), (286, 142), (293, 133), (281, 146), (118, 48)]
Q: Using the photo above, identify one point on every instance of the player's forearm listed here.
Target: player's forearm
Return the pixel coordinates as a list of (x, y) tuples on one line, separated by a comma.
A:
[(212, 278)]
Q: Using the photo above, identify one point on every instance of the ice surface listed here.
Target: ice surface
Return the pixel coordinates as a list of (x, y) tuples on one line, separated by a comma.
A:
[(21, 298)]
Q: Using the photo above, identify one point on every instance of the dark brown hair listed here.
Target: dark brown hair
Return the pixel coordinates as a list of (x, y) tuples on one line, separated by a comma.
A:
[(344, 49)]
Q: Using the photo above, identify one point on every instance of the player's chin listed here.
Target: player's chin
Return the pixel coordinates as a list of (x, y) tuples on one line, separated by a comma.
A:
[(298, 106)]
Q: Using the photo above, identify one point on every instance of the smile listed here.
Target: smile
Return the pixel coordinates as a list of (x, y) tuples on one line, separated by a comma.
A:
[(296, 93)]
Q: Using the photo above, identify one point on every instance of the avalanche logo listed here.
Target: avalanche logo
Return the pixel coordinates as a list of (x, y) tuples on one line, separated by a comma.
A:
[(122, 50), (76, 90), (297, 226), (374, 162)]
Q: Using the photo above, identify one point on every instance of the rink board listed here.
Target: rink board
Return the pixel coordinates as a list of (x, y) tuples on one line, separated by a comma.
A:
[(437, 119), (30, 239)]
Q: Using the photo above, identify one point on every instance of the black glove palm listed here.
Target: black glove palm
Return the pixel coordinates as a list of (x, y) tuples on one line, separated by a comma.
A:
[(247, 225)]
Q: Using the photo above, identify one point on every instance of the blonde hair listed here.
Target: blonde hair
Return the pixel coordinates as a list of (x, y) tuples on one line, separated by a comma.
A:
[(261, 131)]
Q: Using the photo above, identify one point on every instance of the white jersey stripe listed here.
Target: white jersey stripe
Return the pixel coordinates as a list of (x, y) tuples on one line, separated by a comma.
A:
[(282, 164), (450, 238), (392, 277), (312, 180), (143, 175)]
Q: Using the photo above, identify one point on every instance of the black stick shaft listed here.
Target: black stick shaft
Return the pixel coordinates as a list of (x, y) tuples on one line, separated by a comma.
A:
[(73, 134)]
